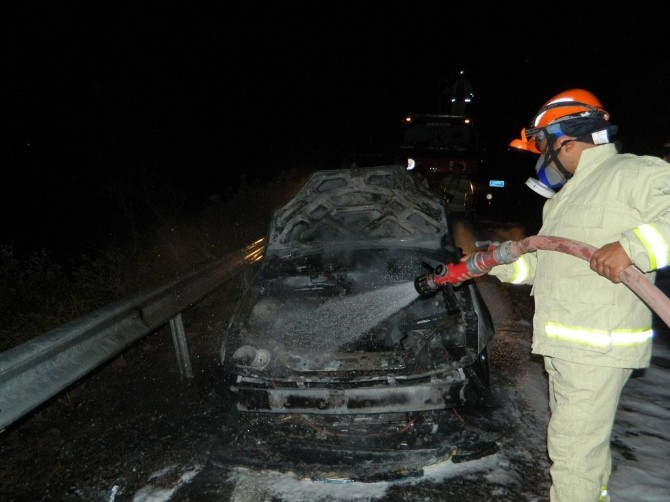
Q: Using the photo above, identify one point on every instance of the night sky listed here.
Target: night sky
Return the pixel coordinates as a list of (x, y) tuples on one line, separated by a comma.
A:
[(201, 92)]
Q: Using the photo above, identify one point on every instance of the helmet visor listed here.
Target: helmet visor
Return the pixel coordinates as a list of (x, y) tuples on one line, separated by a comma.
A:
[(524, 144)]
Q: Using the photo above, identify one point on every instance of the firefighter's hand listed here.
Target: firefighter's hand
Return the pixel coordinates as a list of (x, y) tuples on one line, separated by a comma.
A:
[(610, 260)]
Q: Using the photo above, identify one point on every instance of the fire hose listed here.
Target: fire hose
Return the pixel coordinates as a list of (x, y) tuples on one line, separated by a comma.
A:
[(482, 262)]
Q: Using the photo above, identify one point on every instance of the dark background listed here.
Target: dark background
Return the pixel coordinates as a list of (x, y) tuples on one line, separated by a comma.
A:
[(198, 94)]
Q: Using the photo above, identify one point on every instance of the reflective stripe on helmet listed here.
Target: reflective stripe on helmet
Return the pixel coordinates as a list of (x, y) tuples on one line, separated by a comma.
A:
[(588, 111), (598, 337), (656, 246)]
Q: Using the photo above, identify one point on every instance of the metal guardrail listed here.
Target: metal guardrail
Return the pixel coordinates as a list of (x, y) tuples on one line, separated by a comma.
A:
[(37, 370)]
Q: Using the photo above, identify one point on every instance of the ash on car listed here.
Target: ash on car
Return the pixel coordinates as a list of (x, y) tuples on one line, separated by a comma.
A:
[(332, 355)]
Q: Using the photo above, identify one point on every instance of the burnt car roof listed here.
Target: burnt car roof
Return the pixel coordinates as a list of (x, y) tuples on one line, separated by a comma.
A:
[(358, 207)]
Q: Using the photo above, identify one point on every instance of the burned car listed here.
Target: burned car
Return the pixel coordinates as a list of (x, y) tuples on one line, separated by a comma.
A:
[(332, 337)]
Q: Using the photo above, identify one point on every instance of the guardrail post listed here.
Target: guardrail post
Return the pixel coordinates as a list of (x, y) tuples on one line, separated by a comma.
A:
[(180, 347)]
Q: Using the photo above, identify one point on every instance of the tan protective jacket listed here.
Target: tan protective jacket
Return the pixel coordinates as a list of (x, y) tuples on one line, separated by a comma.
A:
[(581, 316)]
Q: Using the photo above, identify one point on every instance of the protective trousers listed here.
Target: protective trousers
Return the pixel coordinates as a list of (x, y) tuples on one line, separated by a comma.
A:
[(583, 401)]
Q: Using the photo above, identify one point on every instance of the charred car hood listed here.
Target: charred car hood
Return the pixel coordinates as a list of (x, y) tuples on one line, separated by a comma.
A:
[(358, 208)]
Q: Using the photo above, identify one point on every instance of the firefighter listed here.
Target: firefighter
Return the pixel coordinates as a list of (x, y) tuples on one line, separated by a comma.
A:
[(456, 188), (665, 152), (461, 94), (592, 330)]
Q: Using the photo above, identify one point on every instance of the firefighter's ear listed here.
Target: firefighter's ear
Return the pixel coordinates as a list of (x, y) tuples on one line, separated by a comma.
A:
[(567, 144)]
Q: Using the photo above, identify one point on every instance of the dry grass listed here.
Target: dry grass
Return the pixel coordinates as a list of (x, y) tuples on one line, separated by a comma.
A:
[(161, 238)]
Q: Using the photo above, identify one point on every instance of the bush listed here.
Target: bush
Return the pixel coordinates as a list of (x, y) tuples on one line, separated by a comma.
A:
[(164, 235)]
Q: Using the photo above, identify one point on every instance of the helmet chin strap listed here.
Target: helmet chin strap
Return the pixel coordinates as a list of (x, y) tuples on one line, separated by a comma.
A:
[(552, 156)]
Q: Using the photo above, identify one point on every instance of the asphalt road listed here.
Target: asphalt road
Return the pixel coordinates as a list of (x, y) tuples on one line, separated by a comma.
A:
[(135, 430)]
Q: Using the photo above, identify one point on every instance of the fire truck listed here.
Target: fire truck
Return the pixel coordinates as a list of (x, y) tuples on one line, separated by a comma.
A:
[(442, 151)]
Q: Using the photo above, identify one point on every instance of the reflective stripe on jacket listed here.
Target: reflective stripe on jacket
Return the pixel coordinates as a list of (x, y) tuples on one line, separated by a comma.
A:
[(581, 316)]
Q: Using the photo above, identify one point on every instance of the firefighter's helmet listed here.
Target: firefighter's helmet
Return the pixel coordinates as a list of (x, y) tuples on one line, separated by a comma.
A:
[(575, 112)]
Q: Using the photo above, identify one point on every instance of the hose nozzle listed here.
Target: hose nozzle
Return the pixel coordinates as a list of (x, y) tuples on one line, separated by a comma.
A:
[(475, 265), (425, 284)]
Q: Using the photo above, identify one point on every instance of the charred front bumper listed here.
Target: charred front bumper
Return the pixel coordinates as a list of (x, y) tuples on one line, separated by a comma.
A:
[(435, 395), (350, 385)]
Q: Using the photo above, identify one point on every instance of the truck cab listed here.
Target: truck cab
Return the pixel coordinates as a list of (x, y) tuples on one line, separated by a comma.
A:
[(442, 151)]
